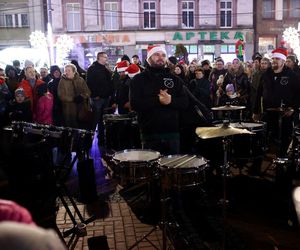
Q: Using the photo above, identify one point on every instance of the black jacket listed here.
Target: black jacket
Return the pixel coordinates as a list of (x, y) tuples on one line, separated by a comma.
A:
[(277, 88), (153, 117), (98, 79)]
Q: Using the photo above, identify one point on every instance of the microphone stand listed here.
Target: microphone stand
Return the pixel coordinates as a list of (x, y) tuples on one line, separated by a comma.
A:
[(200, 111)]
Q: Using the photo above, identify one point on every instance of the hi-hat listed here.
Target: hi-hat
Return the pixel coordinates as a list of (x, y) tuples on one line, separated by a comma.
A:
[(280, 109), (228, 108), (223, 131)]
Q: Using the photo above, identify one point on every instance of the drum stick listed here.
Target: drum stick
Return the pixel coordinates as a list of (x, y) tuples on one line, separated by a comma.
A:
[(187, 160), (172, 161)]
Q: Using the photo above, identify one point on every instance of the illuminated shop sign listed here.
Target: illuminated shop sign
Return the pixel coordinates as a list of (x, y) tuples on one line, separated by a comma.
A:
[(198, 36)]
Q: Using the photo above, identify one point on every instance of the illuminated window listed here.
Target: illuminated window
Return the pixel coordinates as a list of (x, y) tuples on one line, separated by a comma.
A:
[(149, 15)]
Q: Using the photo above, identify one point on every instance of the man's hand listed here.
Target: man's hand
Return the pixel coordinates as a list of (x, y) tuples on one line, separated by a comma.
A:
[(164, 97)]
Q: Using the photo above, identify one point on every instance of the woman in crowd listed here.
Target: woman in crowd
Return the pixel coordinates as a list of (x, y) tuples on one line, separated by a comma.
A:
[(73, 92)]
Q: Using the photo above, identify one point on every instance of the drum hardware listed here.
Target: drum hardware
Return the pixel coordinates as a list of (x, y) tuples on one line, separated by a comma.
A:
[(121, 131), (163, 224), (228, 107), (281, 113), (48, 131), (224, 131)]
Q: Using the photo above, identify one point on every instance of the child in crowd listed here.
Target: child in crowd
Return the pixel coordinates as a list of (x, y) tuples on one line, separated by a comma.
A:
[(19, 109), (44, 107)]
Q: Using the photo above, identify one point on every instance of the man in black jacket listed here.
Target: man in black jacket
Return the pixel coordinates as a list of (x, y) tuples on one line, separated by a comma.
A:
[(157, 96), (278, 92), (98, 79)]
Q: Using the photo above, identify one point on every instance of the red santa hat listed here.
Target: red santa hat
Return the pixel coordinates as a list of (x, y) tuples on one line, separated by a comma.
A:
[(133, 70), (154, 49), (279, 53), (122, 66)]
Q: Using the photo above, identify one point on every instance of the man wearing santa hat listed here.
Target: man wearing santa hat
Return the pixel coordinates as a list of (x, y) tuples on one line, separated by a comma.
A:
[(157, 96), (120, 98), (278, 92)]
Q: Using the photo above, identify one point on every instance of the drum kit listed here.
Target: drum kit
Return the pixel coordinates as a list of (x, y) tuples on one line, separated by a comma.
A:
[(176, 172)]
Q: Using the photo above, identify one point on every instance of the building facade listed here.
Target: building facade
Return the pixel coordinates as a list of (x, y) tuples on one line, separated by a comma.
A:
[(18, 18), (207, 28), (272, 18)]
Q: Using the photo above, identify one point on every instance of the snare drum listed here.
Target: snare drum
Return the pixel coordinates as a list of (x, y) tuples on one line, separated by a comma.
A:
[(183, 171), (135, 165)]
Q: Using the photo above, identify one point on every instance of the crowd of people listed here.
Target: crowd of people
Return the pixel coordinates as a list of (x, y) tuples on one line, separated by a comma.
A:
[(170, 97)]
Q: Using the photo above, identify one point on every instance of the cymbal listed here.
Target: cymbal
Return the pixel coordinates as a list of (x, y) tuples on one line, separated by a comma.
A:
[(280, 109), (228, 108), (223, 131)]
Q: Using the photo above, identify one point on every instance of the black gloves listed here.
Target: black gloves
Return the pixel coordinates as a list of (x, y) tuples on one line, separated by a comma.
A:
[(78, 99)]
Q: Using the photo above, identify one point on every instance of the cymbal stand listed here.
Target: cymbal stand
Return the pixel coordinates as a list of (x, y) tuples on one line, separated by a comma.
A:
[(163, 223), (224, 200)]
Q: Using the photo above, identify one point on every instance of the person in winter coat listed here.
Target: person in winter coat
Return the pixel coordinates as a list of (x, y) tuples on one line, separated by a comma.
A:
[(157, 96), (19, 109), (53, 86), (72, 91), (99, 81), (44, 109), (29, 85)]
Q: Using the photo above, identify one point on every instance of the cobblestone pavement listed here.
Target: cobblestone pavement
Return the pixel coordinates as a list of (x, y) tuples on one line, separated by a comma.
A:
[(116, 226), (121, 228)]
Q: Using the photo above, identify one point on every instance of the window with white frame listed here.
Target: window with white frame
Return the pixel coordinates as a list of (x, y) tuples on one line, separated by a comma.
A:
[(226, 13), (111, 16), (73, 17), (149, 15), (188, 14), (14, 20)]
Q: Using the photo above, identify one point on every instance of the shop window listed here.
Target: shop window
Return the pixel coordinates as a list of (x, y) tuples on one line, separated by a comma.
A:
[(208, 48), (226, 13), (266, 44), (188, 14), (149, 15), (111, 16), (73, 17), (227, 48), (268, 9)]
